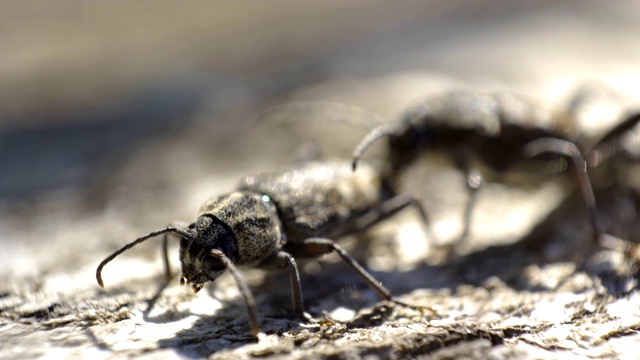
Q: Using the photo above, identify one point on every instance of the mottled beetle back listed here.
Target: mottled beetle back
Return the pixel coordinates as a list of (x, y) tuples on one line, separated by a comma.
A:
[(253, 219), (320, 198)]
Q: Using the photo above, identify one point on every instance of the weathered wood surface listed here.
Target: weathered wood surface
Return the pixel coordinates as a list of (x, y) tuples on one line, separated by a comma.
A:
[(551, 296)]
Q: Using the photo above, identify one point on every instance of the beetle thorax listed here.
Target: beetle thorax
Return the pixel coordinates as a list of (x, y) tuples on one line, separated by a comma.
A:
[(253, 221)]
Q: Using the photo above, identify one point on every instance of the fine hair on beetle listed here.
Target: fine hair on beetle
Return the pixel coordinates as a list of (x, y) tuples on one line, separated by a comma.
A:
[(271, 219)]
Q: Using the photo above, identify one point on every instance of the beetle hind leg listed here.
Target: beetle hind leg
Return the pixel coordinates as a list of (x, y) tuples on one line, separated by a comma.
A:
[(314, 247)]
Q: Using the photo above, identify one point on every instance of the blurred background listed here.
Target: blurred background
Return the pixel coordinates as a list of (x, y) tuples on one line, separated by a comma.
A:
[(118, 117)]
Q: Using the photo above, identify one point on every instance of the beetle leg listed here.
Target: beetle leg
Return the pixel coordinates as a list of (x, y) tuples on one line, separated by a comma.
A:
[(393, 206), (474, 183), (570, 151), (282, 260), (244, 290), (314, 247), (165, 257), (165, 250)]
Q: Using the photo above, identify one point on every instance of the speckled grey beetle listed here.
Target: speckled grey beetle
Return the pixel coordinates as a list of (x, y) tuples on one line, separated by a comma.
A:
[(271, 219)]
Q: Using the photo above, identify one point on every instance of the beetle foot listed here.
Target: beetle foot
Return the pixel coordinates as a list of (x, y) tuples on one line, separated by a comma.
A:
[(420, 308), (308, 318)]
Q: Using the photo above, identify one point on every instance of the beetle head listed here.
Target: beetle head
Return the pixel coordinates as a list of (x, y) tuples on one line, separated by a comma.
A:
[(199, 264)]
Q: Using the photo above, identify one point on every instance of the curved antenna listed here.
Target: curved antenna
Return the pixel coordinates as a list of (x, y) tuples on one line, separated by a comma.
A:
[(570, 150), (243, 287), (174, 229), (617, 131), (320, 111), (372, 137)]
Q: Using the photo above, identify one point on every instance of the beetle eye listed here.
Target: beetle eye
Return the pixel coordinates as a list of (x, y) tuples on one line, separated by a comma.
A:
[(184, 243), (213, 263)]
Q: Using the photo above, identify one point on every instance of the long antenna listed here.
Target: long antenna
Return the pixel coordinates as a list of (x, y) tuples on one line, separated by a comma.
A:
[(174, 229), (373, 136), (631, 120)]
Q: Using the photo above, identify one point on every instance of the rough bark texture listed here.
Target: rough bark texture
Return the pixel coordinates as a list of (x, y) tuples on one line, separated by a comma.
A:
[(528, 283)]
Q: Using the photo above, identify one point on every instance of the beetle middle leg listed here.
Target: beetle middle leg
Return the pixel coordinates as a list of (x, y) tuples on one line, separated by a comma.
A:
[(282, 260), (391, 207)]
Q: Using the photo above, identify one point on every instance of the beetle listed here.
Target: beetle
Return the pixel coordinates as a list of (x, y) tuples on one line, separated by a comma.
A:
[(272, 219), (504, 129)]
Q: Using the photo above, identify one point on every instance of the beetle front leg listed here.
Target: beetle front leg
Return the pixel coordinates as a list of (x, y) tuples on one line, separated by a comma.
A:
[(165, 257), (474, 183), (165, 250), (244, 290)]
